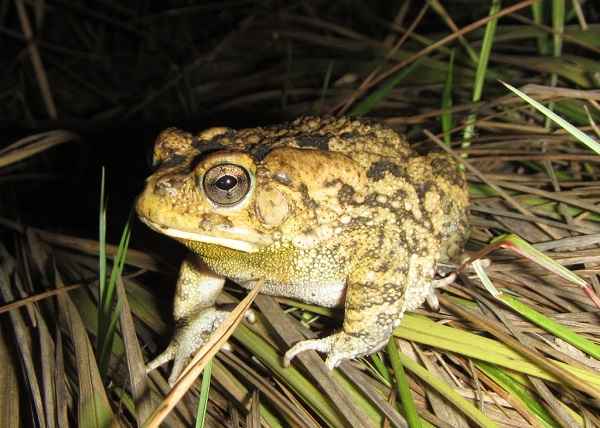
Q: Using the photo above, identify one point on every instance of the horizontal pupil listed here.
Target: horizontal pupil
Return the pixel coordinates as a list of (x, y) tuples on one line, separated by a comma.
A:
[(226, 182)]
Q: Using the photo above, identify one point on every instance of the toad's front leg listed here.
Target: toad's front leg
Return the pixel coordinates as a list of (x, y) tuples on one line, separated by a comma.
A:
[(195, 314), (375, 304)]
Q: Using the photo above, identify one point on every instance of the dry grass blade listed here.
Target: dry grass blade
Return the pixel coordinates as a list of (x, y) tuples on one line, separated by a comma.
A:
[(62, 397), (9, 385), (93, 406), (31, 299), (194, 368), (439, 405), (253, 418), (36, 60), (48, 369), (135, 360), (22, 336), (34, 144), (312, 362), (266, 389), (542, 362), (136, 258), (362, 382)]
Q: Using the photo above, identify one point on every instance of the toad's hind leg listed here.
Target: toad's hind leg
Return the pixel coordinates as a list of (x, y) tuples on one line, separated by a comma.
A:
[(195, 314), (374, 306)]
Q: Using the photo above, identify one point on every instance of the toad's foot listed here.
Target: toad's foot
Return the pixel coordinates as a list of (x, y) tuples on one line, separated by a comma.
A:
[(432, 300), (338, 347), (191, 333)]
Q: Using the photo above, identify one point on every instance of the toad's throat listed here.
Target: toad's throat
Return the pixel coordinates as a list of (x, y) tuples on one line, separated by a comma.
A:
[(183, 235)]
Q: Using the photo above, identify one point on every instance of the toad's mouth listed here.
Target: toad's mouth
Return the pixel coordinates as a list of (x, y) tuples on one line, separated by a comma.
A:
[(235, 244)]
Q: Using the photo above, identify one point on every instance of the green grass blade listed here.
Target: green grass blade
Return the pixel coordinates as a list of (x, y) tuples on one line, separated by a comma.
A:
[(552, 326), (107, 343), (410, 410), (101, 266), (107, 313), (269, 356), (484, 53), (370, 102), (581, 136), (119, 263), (480, 73), (518, 392), (446, 117), (534, 316), (203, 400), (537, 9), (558, 25), (523, 248), (422, 330), (381, 368), (447, 392), (485, 280)]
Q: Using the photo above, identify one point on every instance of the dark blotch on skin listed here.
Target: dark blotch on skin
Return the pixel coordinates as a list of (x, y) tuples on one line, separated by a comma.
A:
[(260, 151), (423, 188), (308, 201), (346, 193), (173, 160), (348, 136), (208, 146), (378, 169), (320, 142), (443, 166)]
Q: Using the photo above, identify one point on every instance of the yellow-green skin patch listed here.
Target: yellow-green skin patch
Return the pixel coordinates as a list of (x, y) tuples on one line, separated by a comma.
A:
[(338, 212)]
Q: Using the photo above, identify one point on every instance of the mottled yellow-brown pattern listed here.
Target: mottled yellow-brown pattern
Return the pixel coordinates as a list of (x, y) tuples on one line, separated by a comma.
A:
[(336, 212)]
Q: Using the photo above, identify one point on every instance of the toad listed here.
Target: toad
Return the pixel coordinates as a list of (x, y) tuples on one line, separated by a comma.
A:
[(329, 211)]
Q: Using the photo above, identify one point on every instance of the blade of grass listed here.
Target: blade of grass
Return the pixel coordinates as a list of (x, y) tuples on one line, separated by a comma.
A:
[(482, 63), (447, 392), (93, 406), (108, 313), (34, 144), (519, 392), (537, 10), (523, 248), (101, 266), (579, 135), (292, 413), (352, 411), (22, 336), (565, 376), (422, 330), (410, 410), (232, 383), (204, 390), (439, 8), (424, 52), (273, 360), (9, 385), (370, 102), (446, 117), (552, 326), (140, 395)]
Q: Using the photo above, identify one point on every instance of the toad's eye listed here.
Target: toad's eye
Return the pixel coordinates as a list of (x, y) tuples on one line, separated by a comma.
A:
[(226, 184)]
